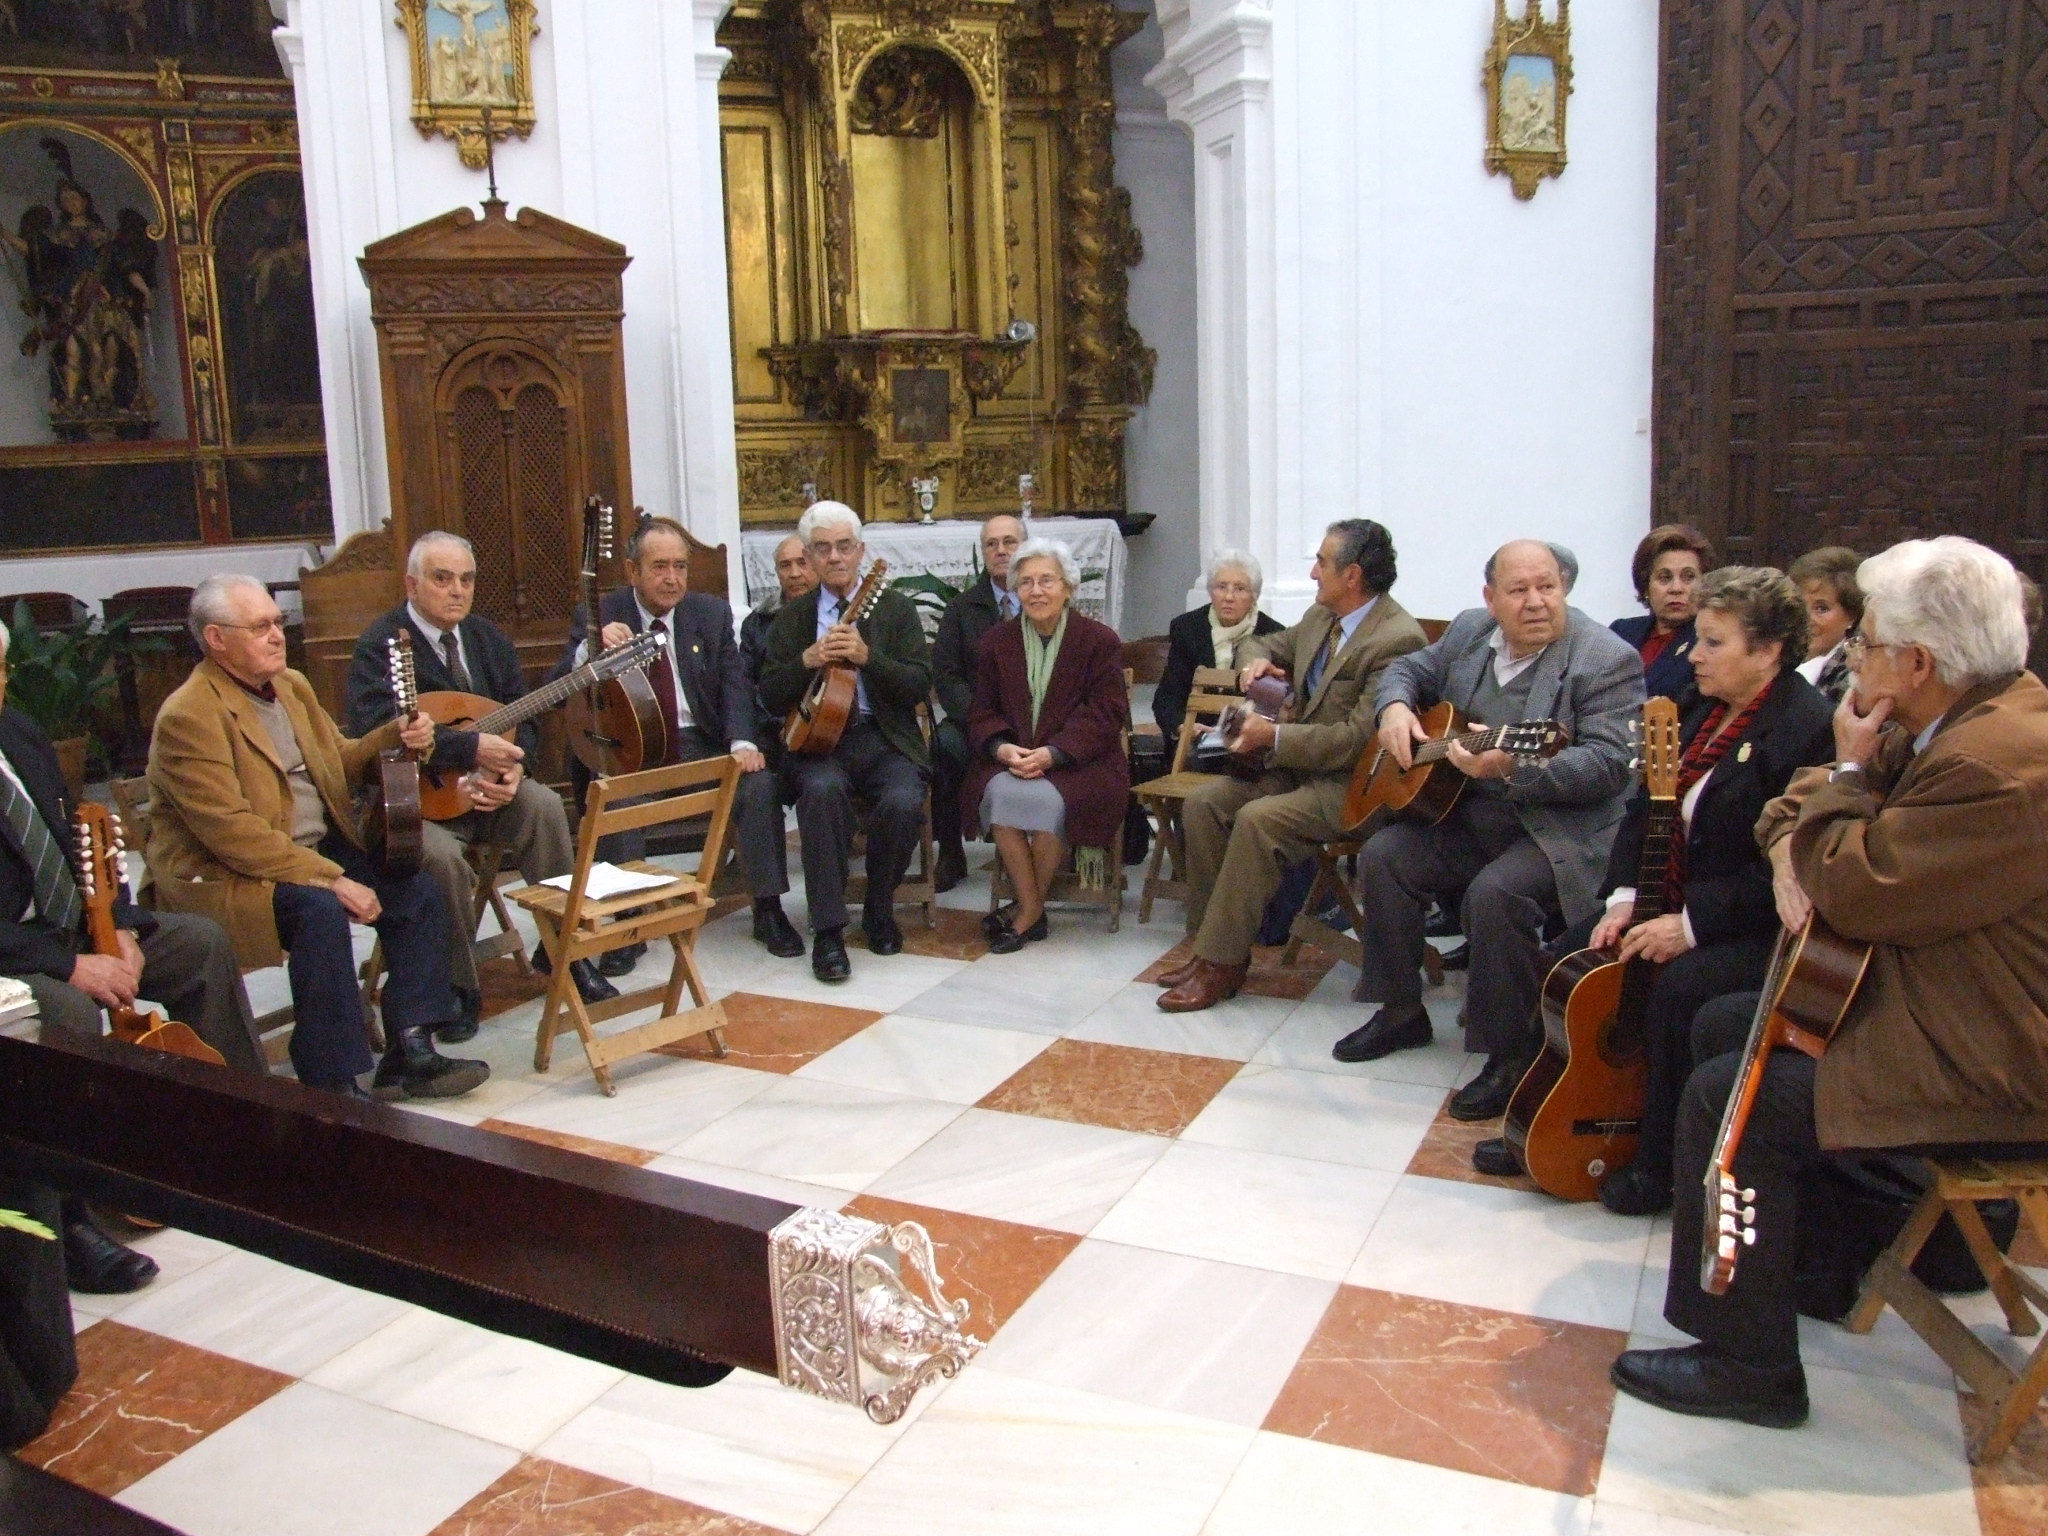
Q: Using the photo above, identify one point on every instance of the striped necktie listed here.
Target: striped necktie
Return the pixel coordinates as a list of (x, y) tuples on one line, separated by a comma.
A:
[(56, 891)]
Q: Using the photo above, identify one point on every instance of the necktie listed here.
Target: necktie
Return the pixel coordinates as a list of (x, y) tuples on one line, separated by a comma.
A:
[(56, 892), (451, 659), (1316, 668), (663, 676)]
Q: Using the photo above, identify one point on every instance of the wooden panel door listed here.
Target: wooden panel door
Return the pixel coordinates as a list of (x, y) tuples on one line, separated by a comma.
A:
[(1852, 273)]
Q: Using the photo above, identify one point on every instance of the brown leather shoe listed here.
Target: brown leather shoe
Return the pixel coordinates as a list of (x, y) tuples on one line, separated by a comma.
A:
[(1179, 975), (1210, 985)]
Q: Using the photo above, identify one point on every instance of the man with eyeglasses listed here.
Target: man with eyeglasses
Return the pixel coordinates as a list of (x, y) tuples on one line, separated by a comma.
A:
[(881, 755), (252, 824), (956, 662)]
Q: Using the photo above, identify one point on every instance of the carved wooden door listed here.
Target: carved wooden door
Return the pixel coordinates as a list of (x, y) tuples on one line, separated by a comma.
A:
[(1852, 273)]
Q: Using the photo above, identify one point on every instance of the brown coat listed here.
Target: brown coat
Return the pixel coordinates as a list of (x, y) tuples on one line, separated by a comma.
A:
[(220, 836), (1086, 709), (1335, 725), (1942, 864)]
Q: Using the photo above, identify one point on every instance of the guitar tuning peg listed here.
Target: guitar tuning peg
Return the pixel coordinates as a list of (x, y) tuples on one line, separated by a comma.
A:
[(1748, 1195), (1749, 1237), (1749, 1216)]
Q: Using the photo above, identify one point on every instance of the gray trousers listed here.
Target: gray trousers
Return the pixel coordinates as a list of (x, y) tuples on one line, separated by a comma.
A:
[(189, 967), (1510, 893), (863, 764), (755, 832), (532, 828)]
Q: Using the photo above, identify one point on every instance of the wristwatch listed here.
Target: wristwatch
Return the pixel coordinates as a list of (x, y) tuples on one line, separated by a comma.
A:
[(1849, 774)]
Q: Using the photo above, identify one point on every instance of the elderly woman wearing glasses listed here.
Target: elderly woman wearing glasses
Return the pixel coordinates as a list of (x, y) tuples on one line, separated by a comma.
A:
[(1210, 636), (1045, 732)]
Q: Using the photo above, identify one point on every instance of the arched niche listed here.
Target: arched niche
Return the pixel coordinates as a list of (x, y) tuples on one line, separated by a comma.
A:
[(916, 132), (263, 279)]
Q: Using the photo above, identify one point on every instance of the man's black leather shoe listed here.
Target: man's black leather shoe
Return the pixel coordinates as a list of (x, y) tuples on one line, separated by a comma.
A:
[(884, 937), (98, 1266), (1382, 1035), (465, 1025), (773, 929), (413, 1069), (590, 983), (1459, 959), (616, 962), (950, 868), (1496, 1159), (1486, 1096), (828, 957), (1442, 922), (1701, 1382), (1636, 1191)]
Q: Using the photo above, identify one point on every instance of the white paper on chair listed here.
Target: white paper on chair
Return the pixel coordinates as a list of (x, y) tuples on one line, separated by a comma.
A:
[(608, 880), (16, 1001)]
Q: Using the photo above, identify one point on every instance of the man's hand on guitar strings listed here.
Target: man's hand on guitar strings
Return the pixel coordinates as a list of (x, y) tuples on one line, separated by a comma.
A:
[(1400, 733)]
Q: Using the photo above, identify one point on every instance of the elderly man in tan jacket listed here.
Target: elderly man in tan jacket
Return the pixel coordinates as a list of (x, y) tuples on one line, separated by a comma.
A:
[(1243, 833), (1924, 841), (252, 825)]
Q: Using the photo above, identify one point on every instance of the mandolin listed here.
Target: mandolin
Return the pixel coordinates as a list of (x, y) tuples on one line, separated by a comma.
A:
[(101, 847), (615, 723), (1813, 978), (1425, 792), (1272, 698), (1578, 1110), (441, 793), (391, 820), (823, 713)]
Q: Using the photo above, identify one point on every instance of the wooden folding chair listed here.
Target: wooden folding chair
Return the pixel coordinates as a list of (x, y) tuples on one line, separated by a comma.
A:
[(486, 861), (919, 885), (1960, 1184), (574, 926), (1333, 880), (1162, 798)]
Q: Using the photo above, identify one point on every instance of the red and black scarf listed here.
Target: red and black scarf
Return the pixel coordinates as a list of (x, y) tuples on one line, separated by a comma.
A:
[(1710, 743)]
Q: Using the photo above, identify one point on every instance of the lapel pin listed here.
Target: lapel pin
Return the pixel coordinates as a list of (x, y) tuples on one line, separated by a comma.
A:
[(1742, 753)]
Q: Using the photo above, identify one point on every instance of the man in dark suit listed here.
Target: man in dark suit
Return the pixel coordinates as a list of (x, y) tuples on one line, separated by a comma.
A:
[(793, 578), (708, 706), (458, 651), (881, 756), (956, 659), (184, 963), (1526, 842)]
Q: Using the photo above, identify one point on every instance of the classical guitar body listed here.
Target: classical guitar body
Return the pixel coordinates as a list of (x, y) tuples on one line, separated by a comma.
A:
[(1578, 1113), (392, 827), (616, 727), (1381, 790), (820, 718)]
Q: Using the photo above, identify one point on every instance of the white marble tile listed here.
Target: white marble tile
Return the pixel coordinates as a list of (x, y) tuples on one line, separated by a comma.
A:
[(495, 1098), (1044, 1173), (1508, 1249), (661, 1102), (1612, 1519), (881, 984), (927, 1059), (1232, 1030), (1878, 1458), (1001, 1456), (820, 1133), (313, 1463), (1308, 1488), (1186, 1335), (750, 1182), (451, 1373), (1304, 1042), (1081, 944), (1040, 999), (1366, 1122), (262, 1312), (747, 1446), (177, 1255), (1257, 1208)]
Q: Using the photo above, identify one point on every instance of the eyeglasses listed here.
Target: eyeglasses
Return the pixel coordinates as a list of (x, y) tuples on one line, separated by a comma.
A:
[(1854, 645), (259, 629)]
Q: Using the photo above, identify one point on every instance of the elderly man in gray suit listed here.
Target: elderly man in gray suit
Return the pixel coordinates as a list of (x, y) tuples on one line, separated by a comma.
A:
[(1526, 842)]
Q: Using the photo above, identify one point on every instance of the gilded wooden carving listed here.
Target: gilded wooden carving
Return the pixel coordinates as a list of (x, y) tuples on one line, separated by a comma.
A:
[(1528, 80), (472, 70)]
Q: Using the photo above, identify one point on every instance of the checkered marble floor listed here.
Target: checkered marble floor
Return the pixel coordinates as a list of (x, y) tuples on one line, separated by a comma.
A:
[(1229, 1286)]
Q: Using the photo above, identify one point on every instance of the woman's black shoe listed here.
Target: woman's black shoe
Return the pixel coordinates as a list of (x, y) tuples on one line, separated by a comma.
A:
[(1636, 1191), (1009, 941), (993, 923)]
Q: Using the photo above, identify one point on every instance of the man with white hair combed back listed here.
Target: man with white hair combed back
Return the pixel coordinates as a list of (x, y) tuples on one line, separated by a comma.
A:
[(1924, 840)]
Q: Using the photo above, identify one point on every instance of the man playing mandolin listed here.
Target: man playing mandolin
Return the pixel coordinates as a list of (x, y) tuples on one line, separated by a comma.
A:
[(1242, 834), (881, 754), (1525, 841), (1924, 842)]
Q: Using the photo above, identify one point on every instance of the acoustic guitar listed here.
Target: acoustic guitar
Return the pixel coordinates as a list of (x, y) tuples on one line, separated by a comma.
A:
[(814, 727), (441, 793), (615, 723), (1426, 791), (101, 846), (1579, 1109), (1813, 978), (392, 828)]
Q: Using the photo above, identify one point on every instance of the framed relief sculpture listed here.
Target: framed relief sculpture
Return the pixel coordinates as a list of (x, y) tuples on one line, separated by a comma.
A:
[(472, 70), (1528, 78)]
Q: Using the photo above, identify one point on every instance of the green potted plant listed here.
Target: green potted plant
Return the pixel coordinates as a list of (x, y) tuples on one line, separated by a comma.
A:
[(59, 677)]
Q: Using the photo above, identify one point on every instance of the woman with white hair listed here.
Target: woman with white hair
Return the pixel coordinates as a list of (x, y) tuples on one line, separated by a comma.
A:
[(1045, 734), (1210, 636)]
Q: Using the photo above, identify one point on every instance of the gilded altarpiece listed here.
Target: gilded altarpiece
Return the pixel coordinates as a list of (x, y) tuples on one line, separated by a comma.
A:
[(928, 254)]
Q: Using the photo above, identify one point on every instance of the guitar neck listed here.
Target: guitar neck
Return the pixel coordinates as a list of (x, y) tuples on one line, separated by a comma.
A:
[(1655, 862), (510, 717), (1472, 741)]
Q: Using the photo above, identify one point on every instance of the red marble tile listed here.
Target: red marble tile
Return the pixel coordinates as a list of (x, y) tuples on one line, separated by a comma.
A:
[(1522, 1399), (775, 1034), (2012, 1492), (994, 1265), (610, 1151), (504, 988), (1267, 976), (140, 1400), (545, 1498), (1118, 1086), (956, 935), (1446, 1151)]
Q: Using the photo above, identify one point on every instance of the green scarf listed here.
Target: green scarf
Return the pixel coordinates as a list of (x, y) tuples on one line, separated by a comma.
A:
[(1041, 652)]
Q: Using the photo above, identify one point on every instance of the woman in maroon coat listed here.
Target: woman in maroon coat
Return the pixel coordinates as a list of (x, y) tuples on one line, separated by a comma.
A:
[(1046, 737)]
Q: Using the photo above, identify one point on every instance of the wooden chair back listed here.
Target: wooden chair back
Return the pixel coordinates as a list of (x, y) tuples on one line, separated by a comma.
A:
[(1433, 629), (157, 614), (1214, 689), (1145, 659), (359, 581), (49, 610), (708, 572)]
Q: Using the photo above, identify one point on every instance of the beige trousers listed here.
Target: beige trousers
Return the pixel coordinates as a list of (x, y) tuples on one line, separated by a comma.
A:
[(1241, 837), (532, 828)]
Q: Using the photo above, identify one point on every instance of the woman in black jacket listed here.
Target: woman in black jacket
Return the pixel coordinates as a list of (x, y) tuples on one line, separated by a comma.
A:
[(1667, 568), (1210, 636)]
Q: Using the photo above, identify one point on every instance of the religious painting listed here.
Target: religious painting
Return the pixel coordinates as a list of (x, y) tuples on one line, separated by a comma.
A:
[(206, 37), (263, 275), (1528, 77), (280, 498), (922, 400), (472, 70)]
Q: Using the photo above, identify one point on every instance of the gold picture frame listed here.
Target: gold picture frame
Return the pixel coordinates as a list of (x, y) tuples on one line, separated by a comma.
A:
[(1528, 82), (472, 70)]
